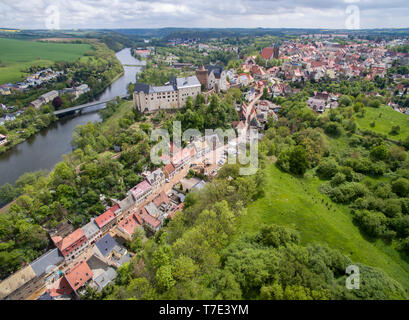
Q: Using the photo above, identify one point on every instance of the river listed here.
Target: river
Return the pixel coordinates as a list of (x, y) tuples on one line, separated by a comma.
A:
[(45, 149)]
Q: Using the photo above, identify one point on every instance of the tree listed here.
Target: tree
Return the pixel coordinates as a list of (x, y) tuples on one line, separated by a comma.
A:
[(345, 101), (401, 187), (327, 168), (141, 289), (184, 268), (7, 193), (298, 160), (395, 130), (164, 278), (276, 236), (379, 152)]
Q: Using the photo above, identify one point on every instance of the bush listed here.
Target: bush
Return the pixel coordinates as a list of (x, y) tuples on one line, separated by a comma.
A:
[(379, 152), (392, 208), (293, 160), (338, 179), (374, 103), (348, 192), (333, 129), (401, 187), (395, 130), (373, 223)]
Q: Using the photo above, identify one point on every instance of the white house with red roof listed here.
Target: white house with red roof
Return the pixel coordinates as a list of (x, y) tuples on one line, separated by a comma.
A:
[(141, 192), (107, 220)]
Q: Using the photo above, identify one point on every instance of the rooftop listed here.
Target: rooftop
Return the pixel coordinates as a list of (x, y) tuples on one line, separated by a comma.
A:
[(46, 261), (106, 245), (141, 188), (129, 225), (169, 168), (70, 239), (155, 176), (152, 210), (186, 82), (107, 216), (15, 281), (90, 229)]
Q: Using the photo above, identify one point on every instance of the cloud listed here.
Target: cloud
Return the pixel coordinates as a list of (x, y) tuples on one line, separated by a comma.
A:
[(199, 13)]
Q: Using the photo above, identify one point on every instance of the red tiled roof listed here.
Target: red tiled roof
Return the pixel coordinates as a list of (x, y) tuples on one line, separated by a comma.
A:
[(60, 287), (70, 239), (169, 168), (106, 217), (129, 224), (267, 53), (161, 198), (147, 218), (178, 209), (79, 275)]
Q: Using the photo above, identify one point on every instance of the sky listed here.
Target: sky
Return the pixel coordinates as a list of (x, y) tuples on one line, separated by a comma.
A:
[(74, 14)]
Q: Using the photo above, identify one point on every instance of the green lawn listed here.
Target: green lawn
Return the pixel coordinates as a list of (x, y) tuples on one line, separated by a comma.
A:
[(385, 118), (17, 55), (297, 203)]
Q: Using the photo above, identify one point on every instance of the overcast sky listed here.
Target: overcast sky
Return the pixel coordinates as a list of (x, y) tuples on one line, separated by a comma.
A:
[(33, 14)]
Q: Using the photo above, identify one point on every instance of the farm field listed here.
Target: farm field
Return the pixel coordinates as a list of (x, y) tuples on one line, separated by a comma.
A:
[(384, 118), (297, 203), (17, 55)]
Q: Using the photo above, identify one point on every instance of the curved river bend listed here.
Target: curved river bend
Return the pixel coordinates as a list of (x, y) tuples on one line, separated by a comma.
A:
[(45, 149)]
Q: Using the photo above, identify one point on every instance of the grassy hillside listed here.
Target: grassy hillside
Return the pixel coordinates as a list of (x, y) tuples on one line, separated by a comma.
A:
[(384, 118), (297, 203), (17, 55)]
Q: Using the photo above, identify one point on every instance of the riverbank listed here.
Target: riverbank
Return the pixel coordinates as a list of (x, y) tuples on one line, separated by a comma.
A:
[(107, 68), (14, 142), (44, 149)]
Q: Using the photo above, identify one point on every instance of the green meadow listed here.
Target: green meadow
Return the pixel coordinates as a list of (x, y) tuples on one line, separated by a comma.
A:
[(298, 204), (18, 55), (385, 118)]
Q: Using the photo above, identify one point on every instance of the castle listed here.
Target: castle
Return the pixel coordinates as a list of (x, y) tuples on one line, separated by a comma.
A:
[(172, 95)]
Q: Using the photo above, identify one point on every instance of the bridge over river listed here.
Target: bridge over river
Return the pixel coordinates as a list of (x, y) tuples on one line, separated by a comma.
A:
[(81, 107)]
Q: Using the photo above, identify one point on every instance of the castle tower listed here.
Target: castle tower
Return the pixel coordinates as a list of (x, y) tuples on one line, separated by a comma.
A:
[(277, 50)]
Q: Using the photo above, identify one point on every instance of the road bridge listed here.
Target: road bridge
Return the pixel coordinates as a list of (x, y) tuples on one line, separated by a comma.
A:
[(84, 106)]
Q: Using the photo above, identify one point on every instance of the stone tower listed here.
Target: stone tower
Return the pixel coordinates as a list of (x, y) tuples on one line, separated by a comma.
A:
[(202, 76)]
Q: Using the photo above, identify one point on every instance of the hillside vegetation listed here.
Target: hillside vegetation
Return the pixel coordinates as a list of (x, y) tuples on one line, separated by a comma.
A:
[(18, 55), (296, 203), (382, 119)]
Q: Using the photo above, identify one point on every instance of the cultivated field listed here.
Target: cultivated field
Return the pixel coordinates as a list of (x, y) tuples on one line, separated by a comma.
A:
[(17, 55)]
